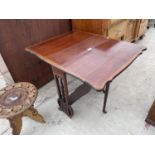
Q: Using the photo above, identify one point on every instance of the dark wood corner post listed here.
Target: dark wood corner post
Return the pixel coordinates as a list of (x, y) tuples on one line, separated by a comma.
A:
[(62, 89)]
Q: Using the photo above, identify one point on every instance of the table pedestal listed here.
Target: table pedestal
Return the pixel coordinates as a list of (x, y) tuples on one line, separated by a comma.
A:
[(62, 89)]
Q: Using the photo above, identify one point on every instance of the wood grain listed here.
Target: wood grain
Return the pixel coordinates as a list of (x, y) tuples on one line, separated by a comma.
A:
[(119, 29), (18, 34), (91, 58)]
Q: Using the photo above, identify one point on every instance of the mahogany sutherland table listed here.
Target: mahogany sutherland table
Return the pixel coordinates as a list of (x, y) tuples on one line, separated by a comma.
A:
[(91, 58)]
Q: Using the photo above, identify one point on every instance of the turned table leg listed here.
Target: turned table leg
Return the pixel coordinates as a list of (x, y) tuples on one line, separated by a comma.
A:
[(62, 89), (106, 92)]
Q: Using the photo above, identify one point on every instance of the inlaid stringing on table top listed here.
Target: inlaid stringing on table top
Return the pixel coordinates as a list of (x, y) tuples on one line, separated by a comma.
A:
[(91, 58)]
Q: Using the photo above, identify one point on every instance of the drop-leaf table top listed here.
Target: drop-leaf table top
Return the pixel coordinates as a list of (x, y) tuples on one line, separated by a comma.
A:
[(89, 57)]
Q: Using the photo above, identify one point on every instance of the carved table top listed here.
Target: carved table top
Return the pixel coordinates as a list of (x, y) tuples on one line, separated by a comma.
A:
[(89, 57), (16, 98)]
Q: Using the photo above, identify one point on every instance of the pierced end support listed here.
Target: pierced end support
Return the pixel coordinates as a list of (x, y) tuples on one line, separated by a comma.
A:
[(62, 89), (67, 109)]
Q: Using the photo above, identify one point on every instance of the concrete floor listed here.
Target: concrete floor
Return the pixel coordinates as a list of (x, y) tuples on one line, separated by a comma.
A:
[(130, 97)]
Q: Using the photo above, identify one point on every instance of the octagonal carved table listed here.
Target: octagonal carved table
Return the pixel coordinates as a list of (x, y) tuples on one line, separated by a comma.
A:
[(16, 101)]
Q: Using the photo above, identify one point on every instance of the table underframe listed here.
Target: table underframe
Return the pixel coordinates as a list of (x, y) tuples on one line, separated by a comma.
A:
[(65, 100)]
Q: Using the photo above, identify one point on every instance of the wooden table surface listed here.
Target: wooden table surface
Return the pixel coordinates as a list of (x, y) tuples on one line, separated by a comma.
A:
[(89, 57)]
